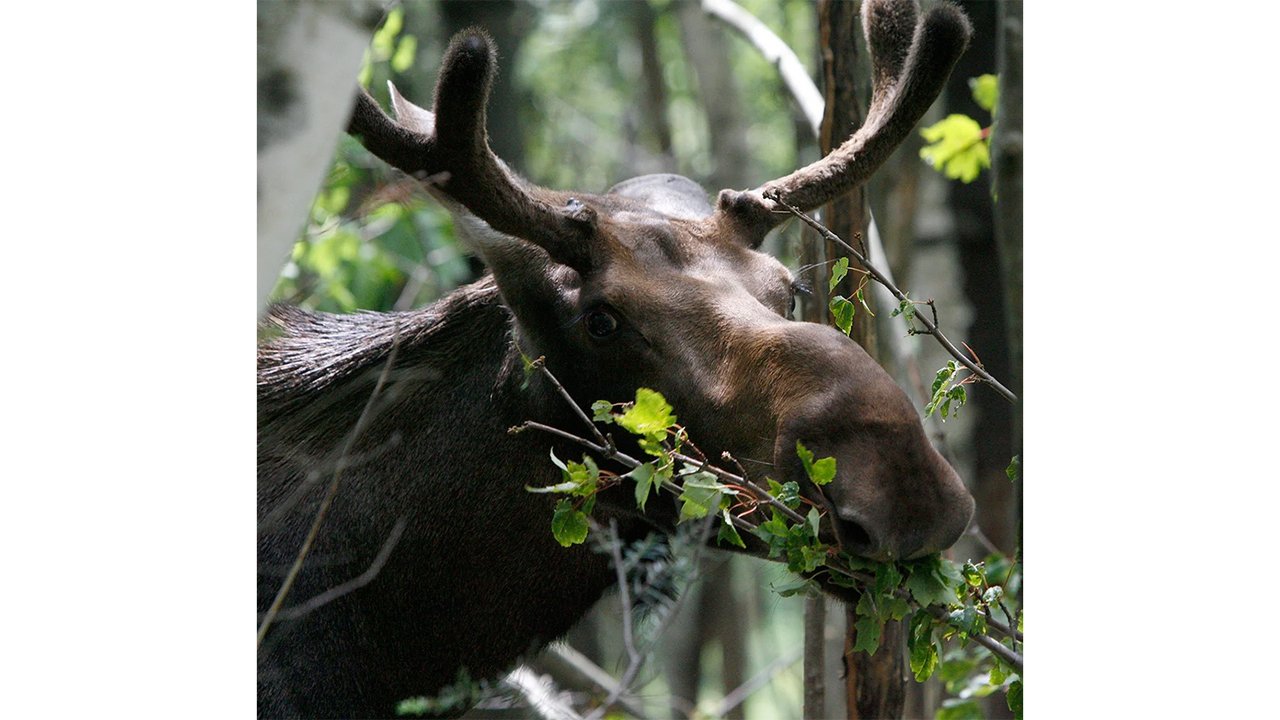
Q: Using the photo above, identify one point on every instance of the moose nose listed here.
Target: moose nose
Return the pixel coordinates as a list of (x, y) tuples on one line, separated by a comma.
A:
[(884, 534)]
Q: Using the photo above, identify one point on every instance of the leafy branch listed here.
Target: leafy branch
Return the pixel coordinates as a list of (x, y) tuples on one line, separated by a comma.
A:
[(935, 590)]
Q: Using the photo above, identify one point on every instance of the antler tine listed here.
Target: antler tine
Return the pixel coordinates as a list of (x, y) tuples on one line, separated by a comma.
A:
[(911, 60), (452, 142)]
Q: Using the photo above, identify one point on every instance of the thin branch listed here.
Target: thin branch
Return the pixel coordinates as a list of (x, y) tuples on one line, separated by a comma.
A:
[(572, 667), (332, 492), (541, 364), (541, 693), (930, 326), (726, 475), (364, 578), (634, 659), (778, 53)]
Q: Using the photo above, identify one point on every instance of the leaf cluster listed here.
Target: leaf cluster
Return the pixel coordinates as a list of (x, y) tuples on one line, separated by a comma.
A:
[(945, 604), (842, 308), (947, 391), (959, 147)]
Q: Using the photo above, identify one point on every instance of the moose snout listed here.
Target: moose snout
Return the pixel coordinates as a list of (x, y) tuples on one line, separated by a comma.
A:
[(894, 497), (885, 507), (896, 531)]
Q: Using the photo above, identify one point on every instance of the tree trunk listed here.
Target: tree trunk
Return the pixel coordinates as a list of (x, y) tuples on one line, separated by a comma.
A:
[(307, 52), (875, 685), (1007, 161), (707, 50), (975, 236)]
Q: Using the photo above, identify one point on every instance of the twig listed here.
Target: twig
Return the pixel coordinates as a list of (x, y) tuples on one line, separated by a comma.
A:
[(332, 492), (364, 578), (573, 668), (541, 693), (930, 326), (541, 364), (726, 475), (634, 658)]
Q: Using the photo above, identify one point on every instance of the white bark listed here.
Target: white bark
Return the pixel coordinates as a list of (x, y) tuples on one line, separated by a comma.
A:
[(309, 54)]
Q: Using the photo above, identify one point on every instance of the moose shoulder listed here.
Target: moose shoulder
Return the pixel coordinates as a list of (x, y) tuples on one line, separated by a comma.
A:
[(647, 285)]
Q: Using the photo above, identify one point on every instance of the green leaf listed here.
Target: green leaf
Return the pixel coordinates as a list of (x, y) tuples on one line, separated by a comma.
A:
[(906, 308), (926, 584), (863, 300), (1014, 699), (920, 645), (956, 147), (999, 671), (867, 634), (649, 416), (728, 533), (887, 578), (529, 370), (569, 526), (820, 472), (838, 271), (956, 668), (986, 92), (993, 594), (788, 493), (1014, 471), (602, 411), (646, 478), (406, 50), (700, 495), (972, 574), (842, 310)]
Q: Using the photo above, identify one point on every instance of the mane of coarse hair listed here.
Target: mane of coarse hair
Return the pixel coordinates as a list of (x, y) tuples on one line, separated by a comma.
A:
[(306, 352)]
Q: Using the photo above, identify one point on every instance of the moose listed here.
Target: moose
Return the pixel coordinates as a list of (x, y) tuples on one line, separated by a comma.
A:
[(432, 557)]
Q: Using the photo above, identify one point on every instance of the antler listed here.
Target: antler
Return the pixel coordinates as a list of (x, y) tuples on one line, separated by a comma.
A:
[(910, 61), (452, 143)]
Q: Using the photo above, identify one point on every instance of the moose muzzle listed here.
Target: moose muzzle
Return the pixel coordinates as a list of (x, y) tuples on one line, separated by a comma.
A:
[(894, 497)]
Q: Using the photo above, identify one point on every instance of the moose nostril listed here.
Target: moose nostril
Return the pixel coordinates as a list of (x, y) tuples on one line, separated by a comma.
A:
[(854, 537)]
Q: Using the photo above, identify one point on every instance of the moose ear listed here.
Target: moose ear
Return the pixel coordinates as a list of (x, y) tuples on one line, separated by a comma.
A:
[(675, 196), (417, 119)]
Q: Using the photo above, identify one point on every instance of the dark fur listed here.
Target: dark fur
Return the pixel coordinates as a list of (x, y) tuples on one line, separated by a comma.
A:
[(429, 458)]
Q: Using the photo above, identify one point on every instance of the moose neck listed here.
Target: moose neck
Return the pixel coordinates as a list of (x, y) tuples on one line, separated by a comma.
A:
[(474, 568)]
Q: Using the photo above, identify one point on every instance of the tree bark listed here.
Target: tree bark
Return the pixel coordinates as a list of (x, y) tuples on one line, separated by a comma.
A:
[(875, 685), (1007, 161), (707, 50), (307, 53)]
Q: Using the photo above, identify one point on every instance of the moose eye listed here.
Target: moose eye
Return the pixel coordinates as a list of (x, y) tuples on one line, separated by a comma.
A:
[(798, 287), (601, 323)]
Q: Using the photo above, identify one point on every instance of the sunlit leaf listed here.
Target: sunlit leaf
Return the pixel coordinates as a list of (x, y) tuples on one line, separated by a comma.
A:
[(650, 415), (986, 92), (956, 147)]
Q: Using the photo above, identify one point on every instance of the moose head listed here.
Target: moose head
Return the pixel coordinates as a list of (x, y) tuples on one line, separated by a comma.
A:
[(646, 285)]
